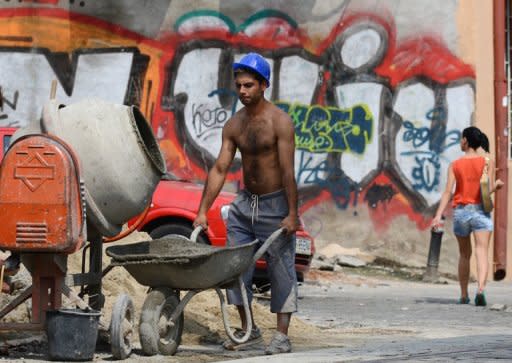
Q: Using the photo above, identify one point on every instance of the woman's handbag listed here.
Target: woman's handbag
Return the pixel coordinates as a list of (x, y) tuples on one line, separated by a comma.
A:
[(485, 188)]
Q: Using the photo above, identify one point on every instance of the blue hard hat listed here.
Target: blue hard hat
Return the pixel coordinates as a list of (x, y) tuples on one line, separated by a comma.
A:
[(255, 63)]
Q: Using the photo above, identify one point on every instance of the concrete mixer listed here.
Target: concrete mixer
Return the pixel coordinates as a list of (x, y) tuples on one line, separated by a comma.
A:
[(68, 181)]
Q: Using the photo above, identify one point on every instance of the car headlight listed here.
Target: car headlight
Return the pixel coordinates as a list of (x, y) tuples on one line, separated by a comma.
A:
[(224, 212)]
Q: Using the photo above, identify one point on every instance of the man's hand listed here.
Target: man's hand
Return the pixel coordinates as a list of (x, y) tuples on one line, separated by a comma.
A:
[(291, 224), (201, 221)]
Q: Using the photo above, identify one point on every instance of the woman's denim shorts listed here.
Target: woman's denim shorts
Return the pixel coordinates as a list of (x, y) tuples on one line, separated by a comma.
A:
[(470, 218)]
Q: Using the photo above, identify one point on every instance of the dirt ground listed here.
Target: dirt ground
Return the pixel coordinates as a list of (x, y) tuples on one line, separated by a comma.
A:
[(203, 319)]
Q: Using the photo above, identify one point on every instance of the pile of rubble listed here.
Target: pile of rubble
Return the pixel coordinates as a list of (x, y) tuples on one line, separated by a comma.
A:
[(333, 257)]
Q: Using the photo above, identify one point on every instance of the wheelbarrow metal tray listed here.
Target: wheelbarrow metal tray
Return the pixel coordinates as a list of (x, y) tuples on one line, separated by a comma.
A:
[(179, 263)]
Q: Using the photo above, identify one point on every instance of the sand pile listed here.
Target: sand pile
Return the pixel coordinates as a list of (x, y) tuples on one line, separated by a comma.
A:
[(203, 318), (20, 281)]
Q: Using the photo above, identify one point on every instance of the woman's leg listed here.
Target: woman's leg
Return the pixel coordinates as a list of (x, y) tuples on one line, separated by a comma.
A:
[(464, 256), (482, 259)]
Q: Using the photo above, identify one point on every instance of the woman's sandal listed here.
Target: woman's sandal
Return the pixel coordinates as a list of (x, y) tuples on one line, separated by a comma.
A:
[(480, 299), (463, 300)]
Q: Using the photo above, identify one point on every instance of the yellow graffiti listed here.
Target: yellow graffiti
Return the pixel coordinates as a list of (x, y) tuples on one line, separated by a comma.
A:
[(321, 129)]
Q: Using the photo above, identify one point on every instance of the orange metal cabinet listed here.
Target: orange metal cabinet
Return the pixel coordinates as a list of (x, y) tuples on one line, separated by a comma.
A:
[(41, 207)]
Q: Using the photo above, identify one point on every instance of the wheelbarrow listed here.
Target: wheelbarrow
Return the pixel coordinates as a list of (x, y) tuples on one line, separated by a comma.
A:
[(168, 265)]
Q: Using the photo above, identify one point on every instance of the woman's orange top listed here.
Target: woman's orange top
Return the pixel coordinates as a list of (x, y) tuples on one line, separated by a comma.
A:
[(467, 180)]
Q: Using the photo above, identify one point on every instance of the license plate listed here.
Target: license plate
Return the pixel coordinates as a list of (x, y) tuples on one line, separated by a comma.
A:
[(303, 246)]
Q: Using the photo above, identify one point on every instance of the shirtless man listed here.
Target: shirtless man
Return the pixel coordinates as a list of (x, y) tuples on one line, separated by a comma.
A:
[(264, 134)]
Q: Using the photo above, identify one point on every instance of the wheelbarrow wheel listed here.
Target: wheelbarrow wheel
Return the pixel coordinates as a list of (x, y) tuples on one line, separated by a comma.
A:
[(122, 327), (156, 333)]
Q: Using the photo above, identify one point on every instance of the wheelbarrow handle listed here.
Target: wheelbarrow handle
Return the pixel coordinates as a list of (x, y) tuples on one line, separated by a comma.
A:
[(247, 311), (195, 233), (275, 235)]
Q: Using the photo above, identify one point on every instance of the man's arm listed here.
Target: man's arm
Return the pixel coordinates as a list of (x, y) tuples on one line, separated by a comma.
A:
[(216, 175), (286, 151)]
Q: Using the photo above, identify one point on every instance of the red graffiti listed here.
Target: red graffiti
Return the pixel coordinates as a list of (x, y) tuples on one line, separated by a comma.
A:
[(383, 214), (44, 2), (423, 56)]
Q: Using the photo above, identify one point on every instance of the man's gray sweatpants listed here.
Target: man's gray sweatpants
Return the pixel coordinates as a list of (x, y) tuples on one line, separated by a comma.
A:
[(253, 217)]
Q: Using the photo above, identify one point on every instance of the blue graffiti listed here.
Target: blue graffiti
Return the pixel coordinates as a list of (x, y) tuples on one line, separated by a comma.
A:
[(427, 172), (228, 92), (332, 179)]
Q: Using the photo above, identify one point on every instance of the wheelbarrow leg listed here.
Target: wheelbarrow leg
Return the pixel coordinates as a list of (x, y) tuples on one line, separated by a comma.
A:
[(225, 316), (181, 306)]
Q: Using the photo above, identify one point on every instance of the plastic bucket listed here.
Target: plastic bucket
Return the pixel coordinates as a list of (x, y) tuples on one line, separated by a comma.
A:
[(72, 334)]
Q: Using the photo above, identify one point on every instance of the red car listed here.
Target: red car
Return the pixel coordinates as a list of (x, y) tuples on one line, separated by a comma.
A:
[(174, 208)]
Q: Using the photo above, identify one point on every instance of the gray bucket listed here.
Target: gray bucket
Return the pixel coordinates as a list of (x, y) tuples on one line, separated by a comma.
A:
[(120, 158), (72, 334)]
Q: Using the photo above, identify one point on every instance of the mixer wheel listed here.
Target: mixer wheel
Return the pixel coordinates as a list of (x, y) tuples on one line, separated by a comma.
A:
[(122, 327), (157, 334)]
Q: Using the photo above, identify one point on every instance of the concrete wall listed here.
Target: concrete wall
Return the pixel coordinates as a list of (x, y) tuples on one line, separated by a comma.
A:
[(379, 91)]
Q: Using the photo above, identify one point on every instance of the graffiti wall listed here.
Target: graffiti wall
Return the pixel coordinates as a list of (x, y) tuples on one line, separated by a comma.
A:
[(376, 89)]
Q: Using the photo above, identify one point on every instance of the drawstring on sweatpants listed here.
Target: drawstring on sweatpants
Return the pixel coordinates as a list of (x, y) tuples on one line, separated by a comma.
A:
[(254, 207)]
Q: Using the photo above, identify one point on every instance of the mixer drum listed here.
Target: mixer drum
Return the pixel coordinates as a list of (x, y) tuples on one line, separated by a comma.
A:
[(119, 155), (41, 202)]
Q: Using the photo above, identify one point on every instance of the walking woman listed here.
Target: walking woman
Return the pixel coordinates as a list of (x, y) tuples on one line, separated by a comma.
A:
[(468, 214)]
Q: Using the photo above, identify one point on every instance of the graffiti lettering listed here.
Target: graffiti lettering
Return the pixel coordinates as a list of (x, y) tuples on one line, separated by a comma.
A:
[(322, 129), (426, 172), (11, 104), (417, 135), (205, 118), (329, 178)]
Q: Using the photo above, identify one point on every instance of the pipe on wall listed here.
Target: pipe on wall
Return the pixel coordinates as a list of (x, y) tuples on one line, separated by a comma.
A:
[(502, 140)]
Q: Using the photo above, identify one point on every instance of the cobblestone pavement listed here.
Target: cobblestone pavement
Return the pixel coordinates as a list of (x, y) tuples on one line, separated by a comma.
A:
[(379, 321), (405, 321)]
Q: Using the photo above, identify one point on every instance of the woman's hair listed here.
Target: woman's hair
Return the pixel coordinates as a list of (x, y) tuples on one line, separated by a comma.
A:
[(476, 138)]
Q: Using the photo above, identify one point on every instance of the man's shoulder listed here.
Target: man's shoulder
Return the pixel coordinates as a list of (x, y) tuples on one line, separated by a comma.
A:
[(235, 118), (273, 108), (278, 114)]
